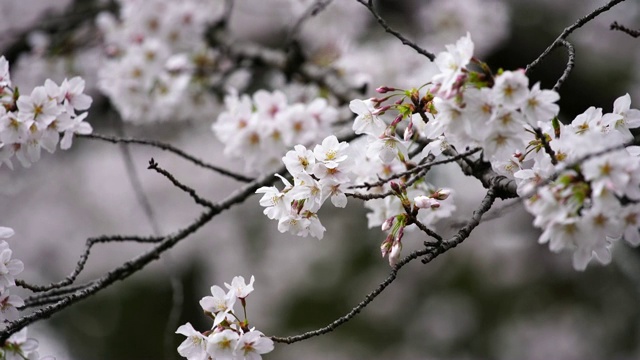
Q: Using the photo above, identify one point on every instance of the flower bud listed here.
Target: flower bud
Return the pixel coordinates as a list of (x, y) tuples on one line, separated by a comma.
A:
[(394, 254), (381, 110), (441, 194), (384, 89), (385, 247), (396, 121), (408, 132), (386, 225)]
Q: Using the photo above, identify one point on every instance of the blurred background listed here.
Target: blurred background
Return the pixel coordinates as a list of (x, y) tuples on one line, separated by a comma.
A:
[(500, 295)]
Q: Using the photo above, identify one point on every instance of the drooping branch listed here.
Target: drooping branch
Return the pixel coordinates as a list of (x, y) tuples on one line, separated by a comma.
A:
[(429, 253)]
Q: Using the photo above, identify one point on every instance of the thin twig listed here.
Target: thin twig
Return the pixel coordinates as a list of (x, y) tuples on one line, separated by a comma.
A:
[(314, 9), (568, 30), (85, 256), (416, 169), (369, 5), (429, 253), (138, 263), (170, 148), (546, 145), (624, 29), (153, 165)]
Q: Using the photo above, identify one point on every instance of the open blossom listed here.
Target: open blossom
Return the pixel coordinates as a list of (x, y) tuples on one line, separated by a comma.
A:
[(230, 340), (19, 347), (299, 160), (222, 345), (194, 347), (239, 288), (630, 118), (511, 89), (38, 107), (540, 105), (9, 268), (331, 152), (220, 304), (252, 344), (8, 306), (366, 122), (451, 64)]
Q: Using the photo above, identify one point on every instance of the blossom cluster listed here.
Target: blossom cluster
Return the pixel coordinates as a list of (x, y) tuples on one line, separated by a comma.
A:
[(9, 268), (582, 202), (31, 122), (158, 65), (325, 172), (18, 346), (229, 338), (260, 129), (332, 169), (594, 199)]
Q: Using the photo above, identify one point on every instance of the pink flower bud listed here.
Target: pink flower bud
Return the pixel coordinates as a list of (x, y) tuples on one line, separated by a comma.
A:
[(384, 89), (400, 234), (396, 121), (441, 194), (394, 255), (381, 110), (398, 188), (386, 225), (408, 132), (385, 247)]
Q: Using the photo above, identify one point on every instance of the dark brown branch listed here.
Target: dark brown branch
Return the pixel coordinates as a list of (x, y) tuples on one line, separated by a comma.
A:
[(83, 260), (503, 187), (429, 253), (369, 5), (170, 148), (138, 263), (416, 169), (546, 145)]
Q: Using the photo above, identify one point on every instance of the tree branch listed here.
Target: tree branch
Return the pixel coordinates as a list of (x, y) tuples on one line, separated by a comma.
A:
[(169, 148), (568, 30), (430, 252), (369, 5)]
